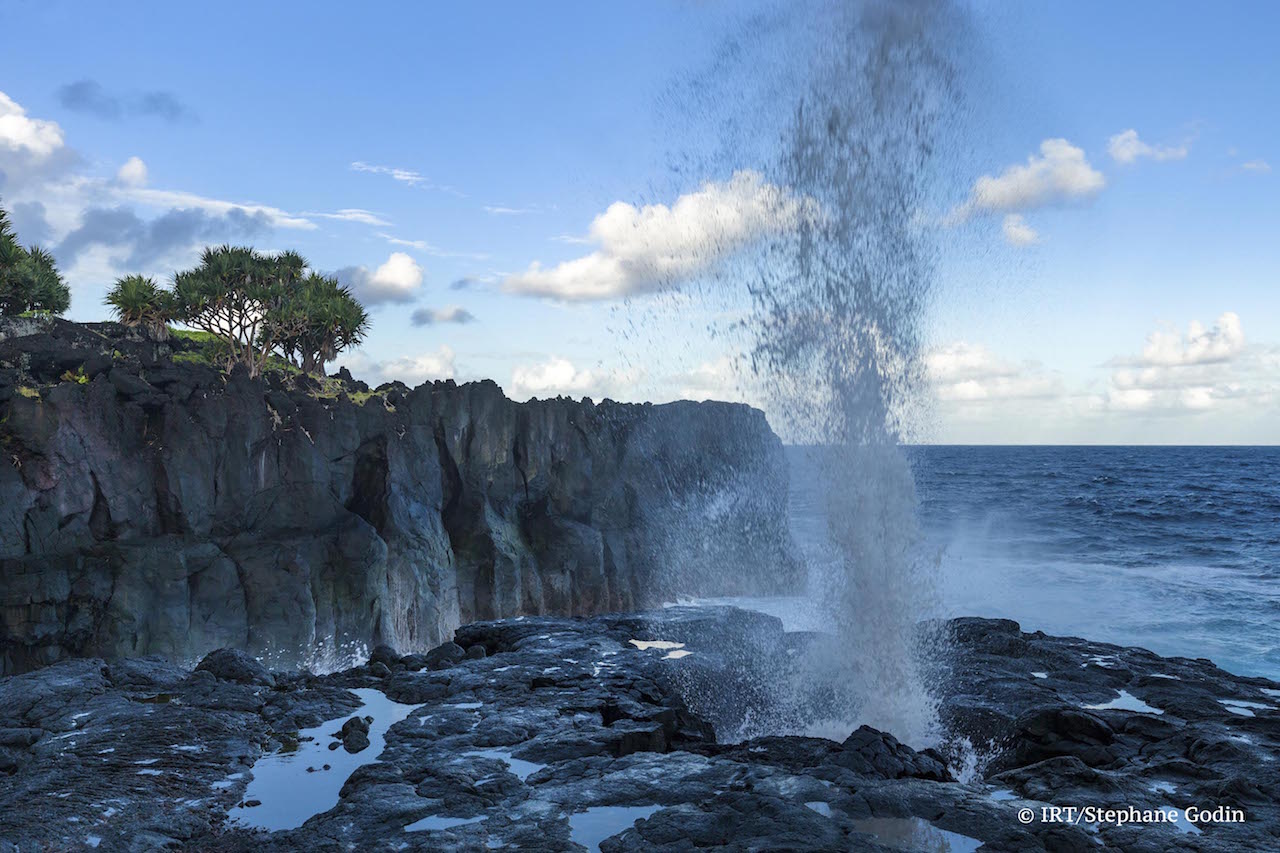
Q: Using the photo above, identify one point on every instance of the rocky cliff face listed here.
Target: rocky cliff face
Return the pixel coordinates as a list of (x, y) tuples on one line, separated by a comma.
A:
[(150, 504)]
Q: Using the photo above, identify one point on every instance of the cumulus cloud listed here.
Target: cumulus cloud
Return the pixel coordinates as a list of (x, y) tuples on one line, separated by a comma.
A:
[(412, 370), (396, 280), (1060, 173), (965, 372), (1221, 342), (559, 377), (433, 316), (1193, 371), (133, 173), (1017, 232), (34, 137), (1125, 147), (89, 97), (649, 248)]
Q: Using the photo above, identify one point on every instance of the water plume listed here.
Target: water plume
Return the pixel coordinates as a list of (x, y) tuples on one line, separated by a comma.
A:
[(860, 102)]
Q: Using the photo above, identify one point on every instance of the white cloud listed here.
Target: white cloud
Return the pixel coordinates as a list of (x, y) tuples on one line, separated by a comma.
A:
[(395, 280), (1259, 166), (412, 370), (1193, 372), (429, 249), (353, 214), (133, 173), (1018, 232), (557, 377), (649, 248), (1126, 147), (964, 372), (711, 380), (34, 137), (409, 177), (1060, 173), (176, 198), (504, 210), (1200, 345)]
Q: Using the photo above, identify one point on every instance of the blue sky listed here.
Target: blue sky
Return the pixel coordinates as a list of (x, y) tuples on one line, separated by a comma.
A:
[(1105, 291)]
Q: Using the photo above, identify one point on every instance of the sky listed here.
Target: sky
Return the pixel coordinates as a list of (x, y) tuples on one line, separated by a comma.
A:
[(509, 188)]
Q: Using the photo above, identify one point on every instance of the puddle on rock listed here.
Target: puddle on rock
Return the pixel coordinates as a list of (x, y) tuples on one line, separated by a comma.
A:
[(1243, 708), (518, 767), (291, 787), (1125, 702), (643, 645), (594, 825), (436, 823), (913, 833)]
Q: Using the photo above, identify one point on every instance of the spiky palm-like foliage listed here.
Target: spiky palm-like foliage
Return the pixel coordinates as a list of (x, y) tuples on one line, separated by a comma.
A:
[(29, 278), (139, 303), (240, 296), (322, 319), (46, 291)]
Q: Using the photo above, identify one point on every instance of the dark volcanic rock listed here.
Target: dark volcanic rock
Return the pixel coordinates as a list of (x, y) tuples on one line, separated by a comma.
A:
[(235, 665), (566, 724), (153, 505)]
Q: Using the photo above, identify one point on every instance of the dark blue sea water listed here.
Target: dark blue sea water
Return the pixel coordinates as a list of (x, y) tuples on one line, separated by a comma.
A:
[(1176, 549)]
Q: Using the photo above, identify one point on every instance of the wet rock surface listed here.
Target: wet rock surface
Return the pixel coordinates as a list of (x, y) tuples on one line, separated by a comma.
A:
[(571, 733)]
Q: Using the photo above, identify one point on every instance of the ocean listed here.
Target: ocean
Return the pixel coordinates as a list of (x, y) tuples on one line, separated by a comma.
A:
[(1175, 549)]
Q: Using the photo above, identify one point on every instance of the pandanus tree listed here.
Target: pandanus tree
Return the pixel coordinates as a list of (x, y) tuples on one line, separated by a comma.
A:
[(255, 305), (320, 319), (29, 278), (242, 297), (140, 304)]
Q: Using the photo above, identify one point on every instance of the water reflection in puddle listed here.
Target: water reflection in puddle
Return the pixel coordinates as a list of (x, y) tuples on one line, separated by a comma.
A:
[(591, 827), (293, 786), (913, 833)]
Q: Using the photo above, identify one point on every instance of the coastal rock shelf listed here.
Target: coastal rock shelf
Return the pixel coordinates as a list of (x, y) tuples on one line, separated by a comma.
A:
[(563, 734), (150, 504)]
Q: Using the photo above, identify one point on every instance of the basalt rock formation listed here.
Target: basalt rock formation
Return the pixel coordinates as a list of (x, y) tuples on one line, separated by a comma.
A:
[(555, 734), (150, 504)]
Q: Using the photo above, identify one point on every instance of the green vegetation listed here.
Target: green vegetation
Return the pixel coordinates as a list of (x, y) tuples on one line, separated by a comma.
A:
[(252, 309), (29, 278), (139, 304)]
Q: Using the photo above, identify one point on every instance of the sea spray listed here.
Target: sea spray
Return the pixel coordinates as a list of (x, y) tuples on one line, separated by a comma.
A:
[(838, 333), (849, 109)]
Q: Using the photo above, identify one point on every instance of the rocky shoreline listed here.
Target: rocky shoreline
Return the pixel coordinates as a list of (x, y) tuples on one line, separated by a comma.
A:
[(557, 734)]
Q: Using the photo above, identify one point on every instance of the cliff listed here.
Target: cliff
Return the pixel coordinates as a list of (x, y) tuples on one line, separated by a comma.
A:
[(149, 504)]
